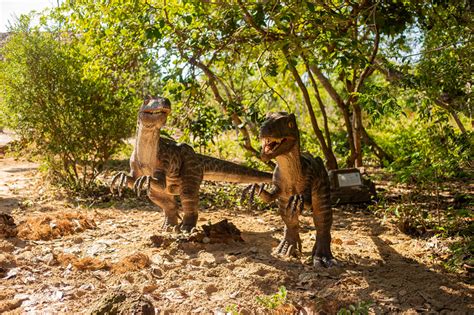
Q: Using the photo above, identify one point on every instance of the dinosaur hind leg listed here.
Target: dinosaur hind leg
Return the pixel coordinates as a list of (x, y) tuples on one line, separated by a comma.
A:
[(291, 242), (169, 206), (190, 203), (322, 216)]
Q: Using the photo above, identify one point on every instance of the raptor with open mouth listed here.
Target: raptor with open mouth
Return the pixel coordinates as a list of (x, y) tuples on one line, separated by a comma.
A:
[(271, 145), (155, 111)]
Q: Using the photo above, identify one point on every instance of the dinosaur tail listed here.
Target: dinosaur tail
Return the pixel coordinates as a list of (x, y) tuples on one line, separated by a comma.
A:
[(225, 171)]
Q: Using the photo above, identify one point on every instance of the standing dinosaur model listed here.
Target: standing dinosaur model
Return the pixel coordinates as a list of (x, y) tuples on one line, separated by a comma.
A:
[(166, 169), (300, 181)]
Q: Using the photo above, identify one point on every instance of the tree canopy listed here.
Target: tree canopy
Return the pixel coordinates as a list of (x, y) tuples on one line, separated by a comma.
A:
[(346, 68)]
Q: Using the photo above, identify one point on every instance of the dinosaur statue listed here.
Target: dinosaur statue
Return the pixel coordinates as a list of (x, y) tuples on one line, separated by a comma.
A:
[(300, 181), (166, 169)]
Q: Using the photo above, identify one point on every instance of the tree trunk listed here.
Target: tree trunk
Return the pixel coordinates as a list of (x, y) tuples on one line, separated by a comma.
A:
[(378, 151), (331, 165), (357, 129), (340, 104), (453, 114), (328, 154), (213, 80)]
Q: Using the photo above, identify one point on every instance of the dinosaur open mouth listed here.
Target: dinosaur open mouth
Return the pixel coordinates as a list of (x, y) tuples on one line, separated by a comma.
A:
[(156, 111), (271, 145)]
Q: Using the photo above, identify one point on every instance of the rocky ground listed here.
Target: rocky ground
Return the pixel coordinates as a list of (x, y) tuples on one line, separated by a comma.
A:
[(76, 256)]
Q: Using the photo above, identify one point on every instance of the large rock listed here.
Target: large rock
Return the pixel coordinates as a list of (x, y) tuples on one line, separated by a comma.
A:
[(7, 226), (119, 302)]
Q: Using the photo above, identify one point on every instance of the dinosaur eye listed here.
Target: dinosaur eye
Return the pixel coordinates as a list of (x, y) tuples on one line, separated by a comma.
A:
[(291, 124)]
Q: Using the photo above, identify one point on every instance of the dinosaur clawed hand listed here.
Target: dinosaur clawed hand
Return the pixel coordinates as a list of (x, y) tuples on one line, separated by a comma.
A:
[(250, 191), (295, 205), (119, 182), (142, 184)]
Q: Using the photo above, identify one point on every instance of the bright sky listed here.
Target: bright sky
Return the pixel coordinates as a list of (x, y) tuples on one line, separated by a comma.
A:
[(9, 9)]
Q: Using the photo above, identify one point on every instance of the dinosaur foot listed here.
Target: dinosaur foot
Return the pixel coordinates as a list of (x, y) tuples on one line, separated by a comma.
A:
[(189, 222), (170, 224), (289, 246), (250, 191), (324, 261)]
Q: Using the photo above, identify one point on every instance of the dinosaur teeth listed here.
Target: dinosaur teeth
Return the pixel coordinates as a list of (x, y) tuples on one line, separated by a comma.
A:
[(270, 144)]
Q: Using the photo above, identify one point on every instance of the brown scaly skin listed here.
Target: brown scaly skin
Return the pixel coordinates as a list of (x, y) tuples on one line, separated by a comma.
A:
[(300, 181), (166, 169)]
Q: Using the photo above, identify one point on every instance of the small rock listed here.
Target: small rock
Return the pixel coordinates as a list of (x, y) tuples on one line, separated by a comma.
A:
[(206, 240), (211, 289), (157, 272), (79, 293), (78, 240), (147, 289)]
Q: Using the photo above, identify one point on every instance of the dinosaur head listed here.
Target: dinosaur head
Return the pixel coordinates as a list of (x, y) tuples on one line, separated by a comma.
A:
[(278, 134), (154, 112)]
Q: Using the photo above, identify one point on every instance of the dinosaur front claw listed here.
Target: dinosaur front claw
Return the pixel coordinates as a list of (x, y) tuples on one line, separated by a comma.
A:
[(250, 190), (119, 182), (142, 184), (295, 205)]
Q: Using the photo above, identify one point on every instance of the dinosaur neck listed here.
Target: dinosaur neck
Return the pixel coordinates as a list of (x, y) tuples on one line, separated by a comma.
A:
[(147, 148), (289, 165)]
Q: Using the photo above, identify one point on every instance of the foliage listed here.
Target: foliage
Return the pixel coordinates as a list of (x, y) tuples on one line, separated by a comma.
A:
[(461, 255), (74, 122), (444, 70), (426, 152), (232, 309), (273, 301), (361, 308)]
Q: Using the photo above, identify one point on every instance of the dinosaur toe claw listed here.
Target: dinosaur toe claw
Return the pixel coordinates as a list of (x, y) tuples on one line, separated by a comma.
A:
[(323, 261)]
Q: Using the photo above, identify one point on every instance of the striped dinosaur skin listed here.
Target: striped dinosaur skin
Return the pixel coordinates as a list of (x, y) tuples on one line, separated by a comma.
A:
[(168, 169), (300, 181)]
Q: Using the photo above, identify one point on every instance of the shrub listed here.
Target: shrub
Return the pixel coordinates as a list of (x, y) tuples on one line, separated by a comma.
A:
[(73, 123), (426, 151)]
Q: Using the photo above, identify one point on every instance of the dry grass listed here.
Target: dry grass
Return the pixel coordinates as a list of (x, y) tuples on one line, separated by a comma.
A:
[(55, 225), (134, 262), (86, 263)]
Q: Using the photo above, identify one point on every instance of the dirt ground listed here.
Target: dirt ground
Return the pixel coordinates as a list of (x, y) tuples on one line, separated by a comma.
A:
[(112, 247)]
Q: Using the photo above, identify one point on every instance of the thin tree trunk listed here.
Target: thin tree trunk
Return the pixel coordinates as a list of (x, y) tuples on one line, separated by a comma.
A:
[(340, 104), (213, 80), (378, 151), (455, 116), (357, 128), (328, 154), (332, 165)]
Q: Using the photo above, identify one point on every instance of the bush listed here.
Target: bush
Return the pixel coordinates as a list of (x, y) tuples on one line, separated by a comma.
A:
[(427, 151), (74, 124)]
